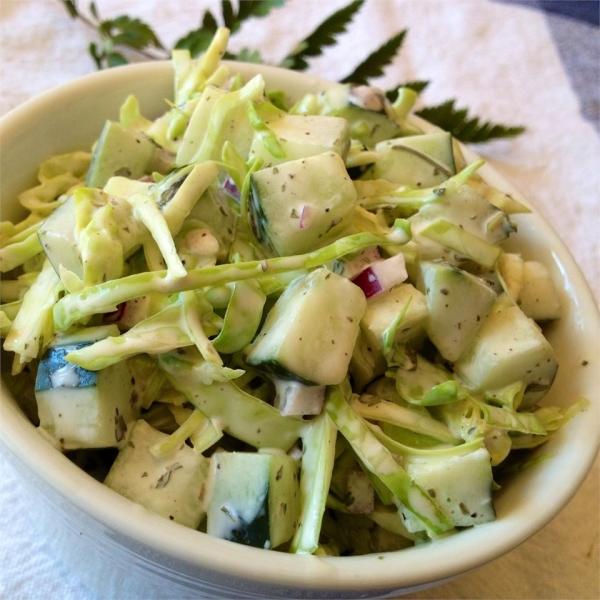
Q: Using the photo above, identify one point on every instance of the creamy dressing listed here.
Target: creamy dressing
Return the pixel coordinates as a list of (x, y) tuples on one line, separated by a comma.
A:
[(66, 376)]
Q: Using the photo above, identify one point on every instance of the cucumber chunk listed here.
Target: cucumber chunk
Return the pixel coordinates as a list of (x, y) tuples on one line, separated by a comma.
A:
[(173, 487), (121, 151), (416, 160), (460, 485), (301, 136), (509, 347), (58, 239), (458, 304), (79, 408), (301, 205), (384, 308), (254, 498), (538, 298), (311, 330)]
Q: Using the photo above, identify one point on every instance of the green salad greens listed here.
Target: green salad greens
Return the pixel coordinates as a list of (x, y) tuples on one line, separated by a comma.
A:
[(292, 326)]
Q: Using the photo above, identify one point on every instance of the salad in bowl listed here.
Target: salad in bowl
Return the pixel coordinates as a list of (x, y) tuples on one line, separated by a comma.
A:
[(294, 325)]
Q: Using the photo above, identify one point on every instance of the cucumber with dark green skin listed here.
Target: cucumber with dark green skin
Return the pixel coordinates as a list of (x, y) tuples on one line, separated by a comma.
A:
[(79, 408), (303, 204), (310, 333), (121, 151), (254, 498), (416, 160)]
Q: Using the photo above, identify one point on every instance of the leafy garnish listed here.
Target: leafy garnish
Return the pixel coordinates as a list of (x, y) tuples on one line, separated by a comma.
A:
[(465, 128), (122, 31), (323, 35), (134, 35), (374, 64)]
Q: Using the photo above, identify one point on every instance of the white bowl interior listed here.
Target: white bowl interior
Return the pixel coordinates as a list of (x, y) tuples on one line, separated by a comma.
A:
[(70, 118)]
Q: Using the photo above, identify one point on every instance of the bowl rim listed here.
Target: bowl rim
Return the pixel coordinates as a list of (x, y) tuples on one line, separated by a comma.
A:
[(418, 565)]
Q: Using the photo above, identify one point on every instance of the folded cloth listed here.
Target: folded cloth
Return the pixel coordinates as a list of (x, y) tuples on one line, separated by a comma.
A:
[(508, 63)]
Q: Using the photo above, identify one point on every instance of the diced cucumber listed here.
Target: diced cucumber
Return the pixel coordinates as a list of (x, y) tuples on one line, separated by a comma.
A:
[(310, 332), (384, 308), (80, 408), (303, 204), (174, 486), (254, 498), (458, 303), (509, 347), (300, 136), (510, 268), (538, 298), (57, 237), (460, 485), (121, 151), (416, 160)]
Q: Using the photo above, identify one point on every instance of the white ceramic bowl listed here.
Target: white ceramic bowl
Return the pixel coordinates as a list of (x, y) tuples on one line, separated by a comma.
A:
[(81, 517)]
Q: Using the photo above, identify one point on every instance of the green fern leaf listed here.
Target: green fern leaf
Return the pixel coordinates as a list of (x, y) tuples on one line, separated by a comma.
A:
[(463, 127), (375, 63), (324, 35)]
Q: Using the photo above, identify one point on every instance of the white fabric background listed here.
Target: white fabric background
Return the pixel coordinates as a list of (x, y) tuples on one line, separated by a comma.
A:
[(499, 60)]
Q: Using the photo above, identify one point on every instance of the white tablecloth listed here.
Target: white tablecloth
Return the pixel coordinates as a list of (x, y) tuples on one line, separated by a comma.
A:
[(509, 63)]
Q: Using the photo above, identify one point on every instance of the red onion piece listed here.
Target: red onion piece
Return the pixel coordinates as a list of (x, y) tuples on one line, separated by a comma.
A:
[(367, 281), (382, 275), (231, 189), (367, 257)]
